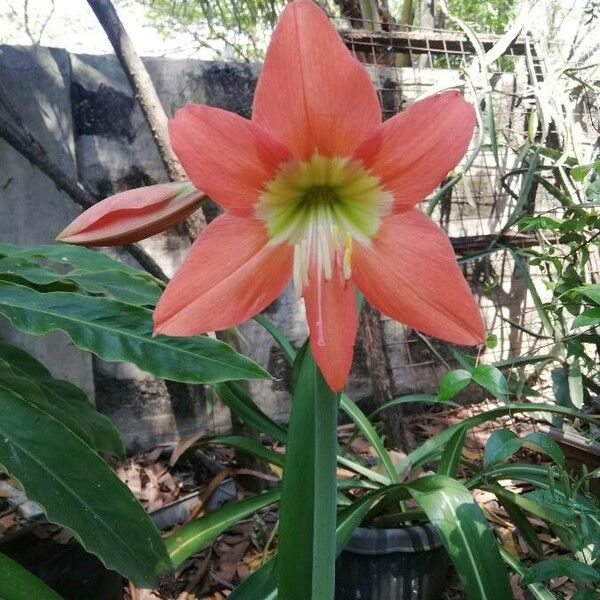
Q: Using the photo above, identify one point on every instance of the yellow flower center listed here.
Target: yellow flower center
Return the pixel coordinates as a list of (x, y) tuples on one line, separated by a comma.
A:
[(321, 206)]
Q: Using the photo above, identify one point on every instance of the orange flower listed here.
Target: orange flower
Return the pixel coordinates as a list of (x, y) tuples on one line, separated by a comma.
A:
[(133, 215), (316, 188)]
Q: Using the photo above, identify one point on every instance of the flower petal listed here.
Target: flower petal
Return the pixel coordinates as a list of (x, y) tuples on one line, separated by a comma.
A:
[(229, 275), (413, 151), (332, 321), (227, 156), (133, 215), (312, 94), (410, 273)]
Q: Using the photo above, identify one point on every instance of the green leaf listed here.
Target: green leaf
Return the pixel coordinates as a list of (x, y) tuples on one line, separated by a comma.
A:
[(504, 443), (590, 291), (278, 335), (452, 383), (590, 317), (90, 270), (561, 567), (117, 331), (431, 446), (466, 535), (249, 445), (490, 378), (409, 399), (452, 454), (239, 402), (68, 404), (495, 450), (17, 583), (553, 513), (521, 522), (365, 427), (306, 555), (79, 491), (538, 591), (575, 385), (197, 534)]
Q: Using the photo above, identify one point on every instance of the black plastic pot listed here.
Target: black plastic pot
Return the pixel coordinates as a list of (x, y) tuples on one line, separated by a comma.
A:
[(392, 564)]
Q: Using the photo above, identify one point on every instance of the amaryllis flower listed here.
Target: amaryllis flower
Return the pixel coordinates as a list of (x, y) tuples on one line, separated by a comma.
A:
[(316, 188)]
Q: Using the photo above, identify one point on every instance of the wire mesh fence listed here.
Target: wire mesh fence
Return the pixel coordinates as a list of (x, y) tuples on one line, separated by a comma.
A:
[(407, 63)]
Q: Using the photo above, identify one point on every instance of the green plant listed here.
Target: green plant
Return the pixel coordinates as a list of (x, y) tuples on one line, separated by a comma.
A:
[(444, 498)]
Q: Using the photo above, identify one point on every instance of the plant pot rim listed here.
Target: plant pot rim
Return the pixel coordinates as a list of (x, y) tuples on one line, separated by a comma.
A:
[(373, 540)]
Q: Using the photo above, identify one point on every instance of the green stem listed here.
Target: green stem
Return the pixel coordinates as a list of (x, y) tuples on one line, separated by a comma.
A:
[(306, 554)]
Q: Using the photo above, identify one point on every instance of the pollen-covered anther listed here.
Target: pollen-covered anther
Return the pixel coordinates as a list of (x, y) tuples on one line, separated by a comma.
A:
[(322, 207)]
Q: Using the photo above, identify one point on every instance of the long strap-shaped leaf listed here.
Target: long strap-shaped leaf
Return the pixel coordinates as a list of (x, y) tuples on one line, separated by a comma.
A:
[(432, 445), (17, 583), (78, 490), (306, 562), (466, 535), (194, 536), (117, 331)]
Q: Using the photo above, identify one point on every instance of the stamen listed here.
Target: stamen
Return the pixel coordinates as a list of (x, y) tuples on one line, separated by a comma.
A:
[(320, 328), (322, 206), (348, 257)]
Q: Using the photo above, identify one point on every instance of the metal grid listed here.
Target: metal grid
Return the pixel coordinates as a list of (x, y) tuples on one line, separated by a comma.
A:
[(404, 63)]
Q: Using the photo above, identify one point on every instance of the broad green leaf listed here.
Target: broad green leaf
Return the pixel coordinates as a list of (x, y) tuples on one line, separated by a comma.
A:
[(451, 456), (504, 443), (452, 383), (365, 427), (538, 591), (17, 583), (92, 270), (197, 534), (131, 287), (63, 400), (561, 567), (590, 317), (490, 378), (591, 291), (494, 451), (239, 402), (306, 555), (117, 331), (79, 491), (466, 535)]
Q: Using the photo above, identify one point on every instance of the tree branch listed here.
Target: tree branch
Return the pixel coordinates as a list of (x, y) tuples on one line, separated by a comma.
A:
[(141, 84)]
